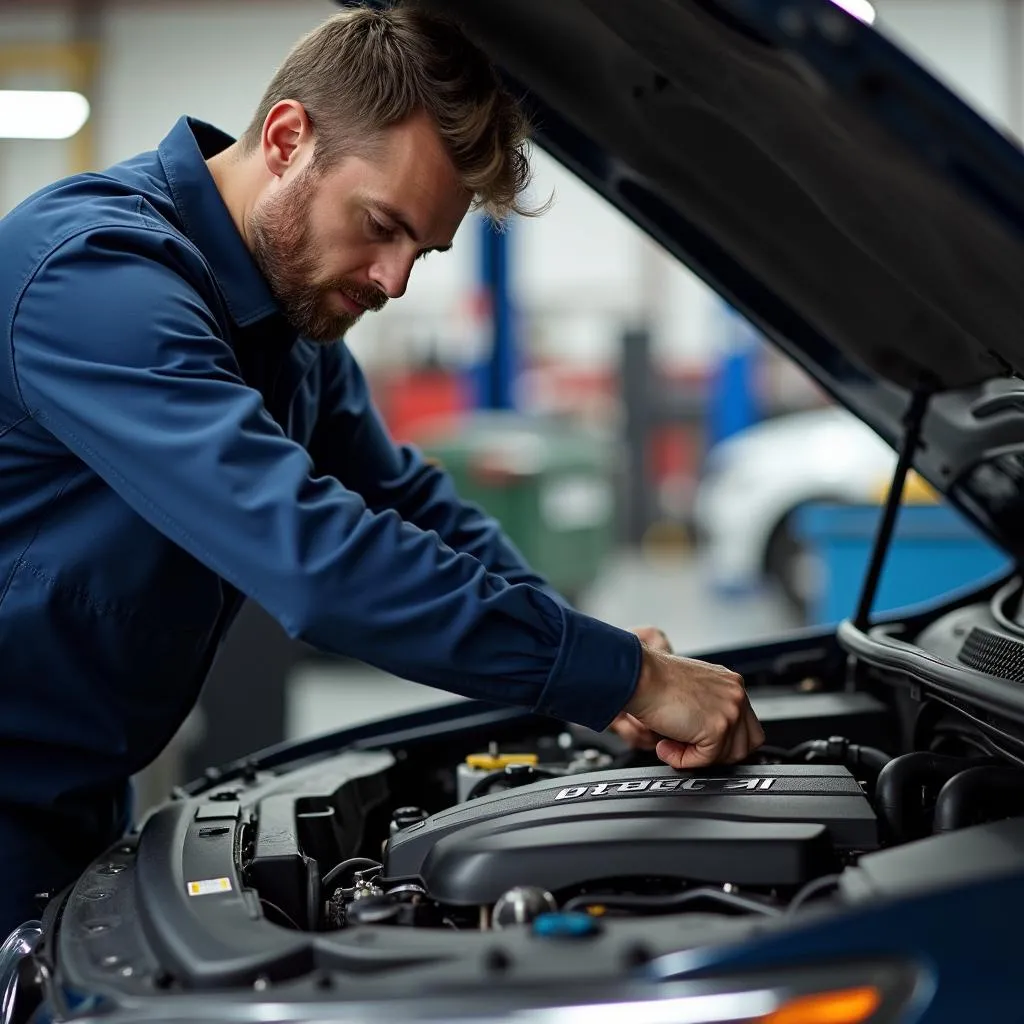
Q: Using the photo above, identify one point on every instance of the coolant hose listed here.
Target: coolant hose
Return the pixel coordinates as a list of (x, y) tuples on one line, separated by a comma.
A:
[(840, 750), (979, 794), (898, 791)]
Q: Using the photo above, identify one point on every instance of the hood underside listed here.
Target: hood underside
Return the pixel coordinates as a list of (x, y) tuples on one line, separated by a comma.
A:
[(794, 181), (865, 219)]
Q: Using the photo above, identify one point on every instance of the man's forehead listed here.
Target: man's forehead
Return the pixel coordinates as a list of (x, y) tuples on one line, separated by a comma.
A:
[(426, 206)]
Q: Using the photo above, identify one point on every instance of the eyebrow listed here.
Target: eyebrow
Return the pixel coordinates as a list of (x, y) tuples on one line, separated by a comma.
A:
[(396, 215)]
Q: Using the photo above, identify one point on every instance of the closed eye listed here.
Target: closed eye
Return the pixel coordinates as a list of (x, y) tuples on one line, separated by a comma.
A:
[(382, 232), (377, 229)]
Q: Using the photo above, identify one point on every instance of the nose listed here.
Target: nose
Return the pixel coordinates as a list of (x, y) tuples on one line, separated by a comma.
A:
[(391, 273)]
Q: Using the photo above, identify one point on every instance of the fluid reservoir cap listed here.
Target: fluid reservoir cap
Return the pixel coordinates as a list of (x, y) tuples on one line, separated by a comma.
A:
[(571, 925), (522, 905), (407, 817), (495, 762)]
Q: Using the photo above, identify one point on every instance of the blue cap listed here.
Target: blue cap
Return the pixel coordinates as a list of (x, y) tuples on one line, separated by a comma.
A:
[(571, 925)]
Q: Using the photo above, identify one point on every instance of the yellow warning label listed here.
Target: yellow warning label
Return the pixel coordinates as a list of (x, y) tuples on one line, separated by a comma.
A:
[(207, 885)]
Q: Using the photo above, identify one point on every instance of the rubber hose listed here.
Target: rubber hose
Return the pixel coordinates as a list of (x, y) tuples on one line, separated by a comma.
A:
[(871, 758), (979, 794), (898, 787), (485, 783), (352, 864), (839, 749), (666, 904)]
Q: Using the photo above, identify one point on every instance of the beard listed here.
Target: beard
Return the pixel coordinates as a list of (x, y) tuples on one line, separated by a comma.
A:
[(282, 245)]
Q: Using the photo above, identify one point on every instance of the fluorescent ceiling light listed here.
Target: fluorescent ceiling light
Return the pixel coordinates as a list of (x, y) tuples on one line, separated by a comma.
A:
[(47, 114), (862, 9)]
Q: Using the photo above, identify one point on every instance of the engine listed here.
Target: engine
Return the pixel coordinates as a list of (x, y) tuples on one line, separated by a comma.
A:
[(751, 826), (527, 836)]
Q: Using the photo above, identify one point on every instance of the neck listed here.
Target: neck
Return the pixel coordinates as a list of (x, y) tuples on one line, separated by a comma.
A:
[(236, 178)]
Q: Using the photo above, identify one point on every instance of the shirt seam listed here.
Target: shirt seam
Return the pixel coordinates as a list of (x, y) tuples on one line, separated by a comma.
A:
[(551, 693), (41, 417), (51, 252), (177, 530), (107, 609), (557, 669), (19, 561), (4, 431)]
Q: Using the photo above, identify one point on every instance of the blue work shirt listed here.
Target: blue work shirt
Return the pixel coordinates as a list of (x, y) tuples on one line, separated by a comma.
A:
[(169, 447)]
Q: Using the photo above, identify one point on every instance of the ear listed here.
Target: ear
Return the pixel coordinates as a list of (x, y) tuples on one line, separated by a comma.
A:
[(287, 137)]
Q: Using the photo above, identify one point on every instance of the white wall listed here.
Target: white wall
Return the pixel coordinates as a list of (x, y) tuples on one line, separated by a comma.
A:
[(23, 166), (962, 42), (39, 22), (581, 272), (202, 57)]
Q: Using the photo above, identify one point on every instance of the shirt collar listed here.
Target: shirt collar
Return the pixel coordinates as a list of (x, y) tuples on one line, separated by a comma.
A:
[(207, 222)]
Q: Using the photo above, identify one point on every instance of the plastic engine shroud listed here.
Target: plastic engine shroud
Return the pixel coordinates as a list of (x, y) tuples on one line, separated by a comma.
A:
[(777, 825)]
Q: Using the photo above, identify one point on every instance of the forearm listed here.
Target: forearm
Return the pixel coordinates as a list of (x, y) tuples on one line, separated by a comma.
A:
[(353, 445)]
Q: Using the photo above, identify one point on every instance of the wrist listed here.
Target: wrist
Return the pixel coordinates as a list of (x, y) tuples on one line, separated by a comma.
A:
[(645, 685)]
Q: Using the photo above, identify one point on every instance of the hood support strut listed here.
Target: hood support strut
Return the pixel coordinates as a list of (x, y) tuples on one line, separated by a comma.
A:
[(911, 438)]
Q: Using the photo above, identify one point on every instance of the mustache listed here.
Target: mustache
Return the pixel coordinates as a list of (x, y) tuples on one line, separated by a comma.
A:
[(372, 298)]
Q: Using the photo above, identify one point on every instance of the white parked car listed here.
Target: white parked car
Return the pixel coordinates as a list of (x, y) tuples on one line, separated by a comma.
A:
[(754, 481)]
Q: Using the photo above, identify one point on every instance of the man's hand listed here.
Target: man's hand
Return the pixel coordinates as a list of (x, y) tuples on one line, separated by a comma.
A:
[(625, 726), (691, 712)]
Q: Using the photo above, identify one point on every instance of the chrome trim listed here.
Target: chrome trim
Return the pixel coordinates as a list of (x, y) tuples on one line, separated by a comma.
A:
[(18, 945)]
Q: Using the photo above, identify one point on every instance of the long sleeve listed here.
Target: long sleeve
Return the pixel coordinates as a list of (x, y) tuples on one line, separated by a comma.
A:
[(120, 353), (353, 444)]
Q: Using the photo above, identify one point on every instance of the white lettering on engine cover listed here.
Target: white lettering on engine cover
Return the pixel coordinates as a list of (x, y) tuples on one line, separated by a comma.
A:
[(571, 792), (663, 785), (666, 784)]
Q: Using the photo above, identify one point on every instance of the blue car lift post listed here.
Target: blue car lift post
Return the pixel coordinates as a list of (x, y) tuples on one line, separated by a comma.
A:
[(493, 380)]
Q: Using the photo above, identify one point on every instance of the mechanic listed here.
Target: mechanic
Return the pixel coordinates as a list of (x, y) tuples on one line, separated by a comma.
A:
[(181, 429)]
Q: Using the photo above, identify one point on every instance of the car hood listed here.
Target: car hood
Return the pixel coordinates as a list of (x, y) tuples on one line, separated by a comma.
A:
[(867, 221)]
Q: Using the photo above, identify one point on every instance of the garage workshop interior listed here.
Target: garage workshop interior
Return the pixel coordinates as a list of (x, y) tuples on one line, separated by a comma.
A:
[(753, 376)]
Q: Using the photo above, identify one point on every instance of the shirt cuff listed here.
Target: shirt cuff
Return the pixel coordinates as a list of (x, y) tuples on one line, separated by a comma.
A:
[(595, 674)]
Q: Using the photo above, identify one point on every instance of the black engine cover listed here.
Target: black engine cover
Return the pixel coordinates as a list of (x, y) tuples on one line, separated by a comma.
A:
[(779, 825)]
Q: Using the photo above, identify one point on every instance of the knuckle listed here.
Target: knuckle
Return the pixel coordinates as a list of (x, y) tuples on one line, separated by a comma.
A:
[(720, 724)]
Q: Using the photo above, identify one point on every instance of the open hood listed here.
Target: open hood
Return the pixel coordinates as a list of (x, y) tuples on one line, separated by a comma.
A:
[(864, 218)]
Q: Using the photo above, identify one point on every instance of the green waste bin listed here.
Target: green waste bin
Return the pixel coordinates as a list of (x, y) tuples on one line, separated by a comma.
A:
[(550, 484)]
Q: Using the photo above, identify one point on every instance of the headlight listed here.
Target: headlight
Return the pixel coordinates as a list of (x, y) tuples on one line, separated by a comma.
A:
[(870, 993)]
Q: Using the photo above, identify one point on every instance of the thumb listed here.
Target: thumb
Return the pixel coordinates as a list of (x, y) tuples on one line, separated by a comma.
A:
[(684, 755)]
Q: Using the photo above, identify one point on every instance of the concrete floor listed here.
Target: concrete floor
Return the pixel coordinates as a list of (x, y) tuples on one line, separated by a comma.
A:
[(666, 591)]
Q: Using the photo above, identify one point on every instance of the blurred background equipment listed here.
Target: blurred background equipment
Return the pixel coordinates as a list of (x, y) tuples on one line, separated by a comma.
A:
[(935, 551), (549, 482), (640, 443), (755, 483)]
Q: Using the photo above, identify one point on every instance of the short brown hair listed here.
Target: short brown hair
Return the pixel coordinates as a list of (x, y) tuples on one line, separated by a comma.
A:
[(364, 70)]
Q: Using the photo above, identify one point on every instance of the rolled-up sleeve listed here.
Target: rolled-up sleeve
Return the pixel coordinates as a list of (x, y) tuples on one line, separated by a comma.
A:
[(117, 351)]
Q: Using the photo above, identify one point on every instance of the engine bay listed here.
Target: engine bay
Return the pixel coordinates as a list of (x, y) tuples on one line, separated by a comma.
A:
[(537, 842), (469, 844)]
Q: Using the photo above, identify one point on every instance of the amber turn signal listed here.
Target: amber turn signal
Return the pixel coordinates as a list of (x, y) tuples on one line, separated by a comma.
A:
[(845, 1006)]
